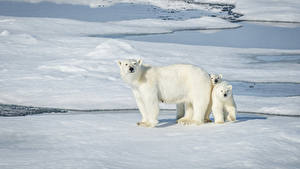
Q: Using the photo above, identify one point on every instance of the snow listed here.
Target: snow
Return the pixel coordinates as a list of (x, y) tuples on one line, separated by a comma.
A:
[(269, 10), (112, 140), (170, 4), (54, 63), (64, 63), (51, 26), (252, 10)]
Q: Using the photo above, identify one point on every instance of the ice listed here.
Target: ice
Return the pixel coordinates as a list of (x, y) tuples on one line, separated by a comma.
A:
[(114, 141), (170, 4), (51, 26), (252, 10), (80, 72), (64, 63), (269, 10), (4, 33), (59, 62)]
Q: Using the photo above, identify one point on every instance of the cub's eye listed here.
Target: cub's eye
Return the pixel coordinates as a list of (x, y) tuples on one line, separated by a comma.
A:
[(222, 91), (126, 64), (134, 63)]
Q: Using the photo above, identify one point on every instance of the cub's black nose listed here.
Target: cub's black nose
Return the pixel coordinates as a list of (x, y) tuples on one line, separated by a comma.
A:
[(225, 95), (216, 80), (131, 69)]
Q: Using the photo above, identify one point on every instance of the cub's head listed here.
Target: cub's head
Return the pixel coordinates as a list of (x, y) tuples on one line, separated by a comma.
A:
[(215, 79), (130, 69), (223, 91)]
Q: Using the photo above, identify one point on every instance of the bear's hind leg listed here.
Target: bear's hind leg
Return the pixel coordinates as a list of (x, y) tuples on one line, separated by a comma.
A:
[(187, 119), (207, 113), (152, 110), (200, 107)]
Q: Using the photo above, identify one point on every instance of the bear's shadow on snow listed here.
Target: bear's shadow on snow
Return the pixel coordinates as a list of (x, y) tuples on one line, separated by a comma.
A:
[(245, 118), (166, 123), (240, 118)]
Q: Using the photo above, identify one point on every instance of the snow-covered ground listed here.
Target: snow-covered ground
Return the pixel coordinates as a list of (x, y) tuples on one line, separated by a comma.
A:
[(113, 141), (52, 62), (66, 62)]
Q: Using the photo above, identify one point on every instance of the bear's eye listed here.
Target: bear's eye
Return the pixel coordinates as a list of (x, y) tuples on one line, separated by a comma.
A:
[(126, 64), (222, 91), (134, 63)]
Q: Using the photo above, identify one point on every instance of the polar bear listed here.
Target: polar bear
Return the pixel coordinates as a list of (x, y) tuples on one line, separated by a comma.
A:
[(223, 104), (215, 79), (179, 83)]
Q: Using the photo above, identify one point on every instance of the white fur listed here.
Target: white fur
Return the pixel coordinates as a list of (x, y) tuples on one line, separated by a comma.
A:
[(223, 108), (174, 84), (215, 79)]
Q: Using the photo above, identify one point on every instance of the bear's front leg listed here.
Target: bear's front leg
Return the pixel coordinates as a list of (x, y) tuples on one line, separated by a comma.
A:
[(218, 113), (231, 113), (200, 107), (141, 106), (151, 103)]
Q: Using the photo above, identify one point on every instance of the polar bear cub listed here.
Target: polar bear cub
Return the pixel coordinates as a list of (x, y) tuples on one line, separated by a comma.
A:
[(215, 79), (223, 104), (179, 83)]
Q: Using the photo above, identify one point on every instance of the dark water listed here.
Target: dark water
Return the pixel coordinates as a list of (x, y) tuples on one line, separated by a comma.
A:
[(9, 110)]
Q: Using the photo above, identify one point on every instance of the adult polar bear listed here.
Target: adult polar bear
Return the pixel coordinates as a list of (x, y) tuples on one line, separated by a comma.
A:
[(175, 84)]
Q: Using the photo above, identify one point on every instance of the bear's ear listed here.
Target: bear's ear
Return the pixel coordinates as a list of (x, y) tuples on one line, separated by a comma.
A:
[(221, 76), (229, 87), (119, 62), (139, 61)]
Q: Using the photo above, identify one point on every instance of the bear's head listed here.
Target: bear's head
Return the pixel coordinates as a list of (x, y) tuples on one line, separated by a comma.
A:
[(215, 79), (130, 69), (223, 91)]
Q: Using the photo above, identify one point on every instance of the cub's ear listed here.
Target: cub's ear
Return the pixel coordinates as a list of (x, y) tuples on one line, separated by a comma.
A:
[(139, 61), (229, 87), (221, 76), (119, 62)]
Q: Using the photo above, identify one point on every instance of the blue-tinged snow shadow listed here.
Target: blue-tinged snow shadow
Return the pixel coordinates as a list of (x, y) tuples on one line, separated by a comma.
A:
[(246, 117), (240, 118), (166, 123)]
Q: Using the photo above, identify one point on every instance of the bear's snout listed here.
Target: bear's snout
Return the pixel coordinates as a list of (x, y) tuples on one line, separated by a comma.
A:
[(225, 95), (216, 80), (131, 69)]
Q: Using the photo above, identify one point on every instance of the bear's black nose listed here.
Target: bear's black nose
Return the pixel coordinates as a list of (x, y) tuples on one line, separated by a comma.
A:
[(131, 69), (225, 95), (216, 80)]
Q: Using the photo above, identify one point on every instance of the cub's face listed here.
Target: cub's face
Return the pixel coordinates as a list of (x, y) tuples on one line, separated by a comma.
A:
[(215, 79), (224, 91), (130, 68)]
